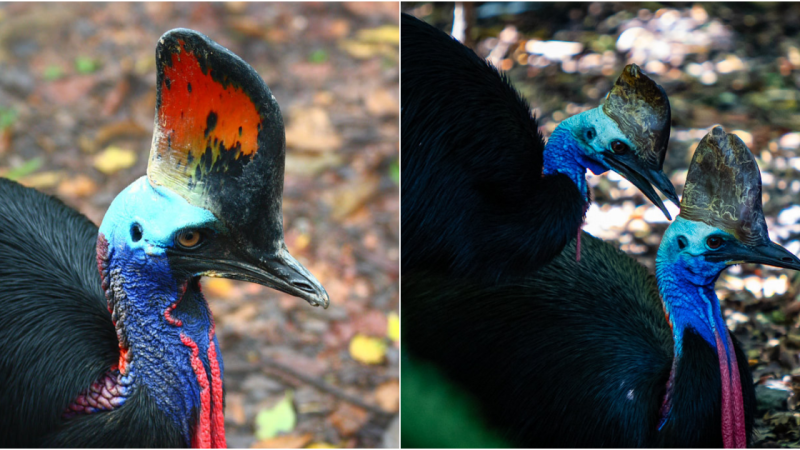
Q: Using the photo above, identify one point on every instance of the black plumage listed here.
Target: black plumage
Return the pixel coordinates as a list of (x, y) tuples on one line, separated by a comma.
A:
[(474, 199), (576, 355)]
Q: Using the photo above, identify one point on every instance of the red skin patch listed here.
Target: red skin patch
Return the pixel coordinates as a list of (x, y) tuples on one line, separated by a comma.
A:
[(733, 428), (209, 431), (217, 419), (183, 116)]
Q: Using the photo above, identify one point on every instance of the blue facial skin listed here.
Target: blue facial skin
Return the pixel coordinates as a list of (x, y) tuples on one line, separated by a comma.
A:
[(143, 286), (686, 282), (577, 145)]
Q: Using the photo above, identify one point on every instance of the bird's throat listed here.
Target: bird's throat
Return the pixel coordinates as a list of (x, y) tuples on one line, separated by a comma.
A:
[(167, 341), (697, 307)]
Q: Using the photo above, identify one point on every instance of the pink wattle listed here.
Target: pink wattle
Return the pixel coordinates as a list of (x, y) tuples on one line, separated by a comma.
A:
[(733, 429)]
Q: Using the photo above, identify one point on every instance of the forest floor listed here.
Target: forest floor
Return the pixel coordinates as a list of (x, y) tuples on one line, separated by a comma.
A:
[(736, 65), (77, 98)]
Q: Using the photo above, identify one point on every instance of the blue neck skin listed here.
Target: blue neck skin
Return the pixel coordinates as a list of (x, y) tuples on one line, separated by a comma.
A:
[(142, 288), (686, 283), (564, 152)]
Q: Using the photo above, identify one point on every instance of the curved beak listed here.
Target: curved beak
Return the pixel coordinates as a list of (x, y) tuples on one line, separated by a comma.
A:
[(770, 254), (282, 272), (644, 179)]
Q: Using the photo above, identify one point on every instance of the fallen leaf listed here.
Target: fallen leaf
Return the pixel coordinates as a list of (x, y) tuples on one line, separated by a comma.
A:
[(351, 196), (284, 442), (348, 419), (310, 165), (320, 445), (311, 129), (278, 419), (381, 102), (393, 327), (387, 34), (219, 287), (113, 159), (366, 50), (41, 180), (367, 350), (234, 408), (387, 395), (77, 187)]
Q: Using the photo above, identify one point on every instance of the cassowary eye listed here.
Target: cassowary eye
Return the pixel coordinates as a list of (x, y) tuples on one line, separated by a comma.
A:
[(619, 147), (714, 242), (189, 238)]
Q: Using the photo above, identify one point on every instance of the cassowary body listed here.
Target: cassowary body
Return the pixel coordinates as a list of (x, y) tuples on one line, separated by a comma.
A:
[(129, 357), (599, 352), (483, 196)]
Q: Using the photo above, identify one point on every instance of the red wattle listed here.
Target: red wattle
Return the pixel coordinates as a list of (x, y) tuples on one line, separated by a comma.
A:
[(740, 434), (202, 431), (217, 417), (733, 434)]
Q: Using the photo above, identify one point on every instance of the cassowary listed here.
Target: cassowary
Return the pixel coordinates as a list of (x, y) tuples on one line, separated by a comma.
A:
[(129, 358), (483, 196), (599, 352)]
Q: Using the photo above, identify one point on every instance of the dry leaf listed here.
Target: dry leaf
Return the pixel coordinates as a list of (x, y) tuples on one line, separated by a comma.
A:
[(387, 34), (219, 287), (321, 445), (311, 129), (77, 187), (349, 197), (234, 408), (367, 350), (387, 395), (41, 180), (310, 165), (348, 419), (284, 442), (393, 326), (381, 102), (113, 159)]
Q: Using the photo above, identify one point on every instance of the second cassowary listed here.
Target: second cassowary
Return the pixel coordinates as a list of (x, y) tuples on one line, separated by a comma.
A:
[(483, 196), (599, 352)]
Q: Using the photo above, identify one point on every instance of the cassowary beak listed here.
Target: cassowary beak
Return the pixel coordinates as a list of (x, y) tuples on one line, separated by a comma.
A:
[(282, 273), (644, 179), (770, 254)]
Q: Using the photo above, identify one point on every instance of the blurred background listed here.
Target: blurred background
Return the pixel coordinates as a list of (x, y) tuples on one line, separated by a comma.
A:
[(77, 101), (732, 64)]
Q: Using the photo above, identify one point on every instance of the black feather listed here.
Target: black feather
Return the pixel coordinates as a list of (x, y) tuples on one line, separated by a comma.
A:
[(56, 334), (475, 203), (575, 355)]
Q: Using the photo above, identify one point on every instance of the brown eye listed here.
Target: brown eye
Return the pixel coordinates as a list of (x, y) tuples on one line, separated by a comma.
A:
[(619, 147), (714, 242), (189, 238)]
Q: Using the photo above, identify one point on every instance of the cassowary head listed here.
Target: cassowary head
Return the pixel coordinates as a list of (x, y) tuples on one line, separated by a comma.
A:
[(629, 134), (721, 215), (211, 201)]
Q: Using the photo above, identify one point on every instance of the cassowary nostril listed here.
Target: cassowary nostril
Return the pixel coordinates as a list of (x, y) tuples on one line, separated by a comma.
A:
[(302, 285)]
